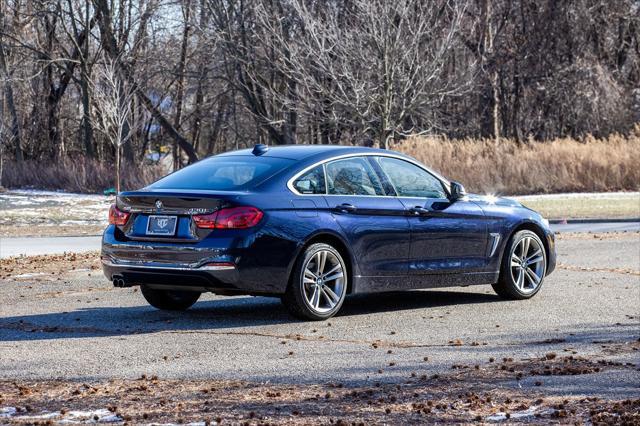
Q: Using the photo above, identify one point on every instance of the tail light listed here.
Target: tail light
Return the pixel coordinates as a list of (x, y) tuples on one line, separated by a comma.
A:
[(231, 218), (117, 217)]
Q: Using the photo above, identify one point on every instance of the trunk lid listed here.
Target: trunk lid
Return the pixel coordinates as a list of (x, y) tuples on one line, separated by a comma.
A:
[(167, 215)]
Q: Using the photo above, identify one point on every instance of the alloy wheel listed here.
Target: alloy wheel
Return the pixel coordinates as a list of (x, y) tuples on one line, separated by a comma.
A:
[(323, 281), (527, 264)]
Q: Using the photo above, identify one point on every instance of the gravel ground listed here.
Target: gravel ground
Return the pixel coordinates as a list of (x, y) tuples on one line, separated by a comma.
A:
[(69, 341)]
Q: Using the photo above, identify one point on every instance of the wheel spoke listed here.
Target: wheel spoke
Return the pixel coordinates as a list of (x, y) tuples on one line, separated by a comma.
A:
[(515, 261), (520, 280), (533, 260), (316, 264), (331, 295), (315, 298), (525, 247), (534, 279), (309, 275), (537, 252), (334, 276), (322, 260), (332, 270)]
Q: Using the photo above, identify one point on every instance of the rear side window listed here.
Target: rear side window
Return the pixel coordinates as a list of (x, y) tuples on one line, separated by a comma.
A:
[(312, 182), (227, 173), (352, 176), (410, 180)]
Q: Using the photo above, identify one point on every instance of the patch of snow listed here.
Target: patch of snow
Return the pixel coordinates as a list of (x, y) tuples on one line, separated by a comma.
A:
[(35, 274), (500, 416), (7, 411), (72, 417), (92, 416), (61, 194), (187, 424), (53, 208), (46, 415), (113, 418)]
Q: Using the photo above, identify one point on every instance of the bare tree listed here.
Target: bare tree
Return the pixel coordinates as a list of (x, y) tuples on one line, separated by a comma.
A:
[(382, 66), (113, 100), (213, 75)]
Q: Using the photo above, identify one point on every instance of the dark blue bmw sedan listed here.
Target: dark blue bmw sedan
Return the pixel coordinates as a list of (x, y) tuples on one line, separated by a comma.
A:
[(313, 224)]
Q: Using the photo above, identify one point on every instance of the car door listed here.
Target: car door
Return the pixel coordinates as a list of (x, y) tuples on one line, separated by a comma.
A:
[(373, 221), (446, 236)]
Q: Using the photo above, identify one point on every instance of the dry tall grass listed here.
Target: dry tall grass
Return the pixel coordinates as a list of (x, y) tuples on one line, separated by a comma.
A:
[(76, 175), (563, 165)]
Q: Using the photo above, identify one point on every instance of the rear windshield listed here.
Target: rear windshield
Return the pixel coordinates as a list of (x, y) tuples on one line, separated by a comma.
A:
[(227, 173)]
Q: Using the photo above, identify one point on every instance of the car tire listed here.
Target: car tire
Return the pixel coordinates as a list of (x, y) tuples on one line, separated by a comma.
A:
[(523, 268), (318, 284), (169, 300)]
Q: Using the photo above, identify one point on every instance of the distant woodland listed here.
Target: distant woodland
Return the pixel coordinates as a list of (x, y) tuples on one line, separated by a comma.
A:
[(90, 78)]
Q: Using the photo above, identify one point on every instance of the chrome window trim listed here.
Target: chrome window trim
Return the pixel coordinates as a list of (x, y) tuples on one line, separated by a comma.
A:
[(323, 162)]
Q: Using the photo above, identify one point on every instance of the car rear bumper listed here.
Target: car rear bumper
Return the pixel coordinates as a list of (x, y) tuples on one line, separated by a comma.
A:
[(216, 278), (229, 264)]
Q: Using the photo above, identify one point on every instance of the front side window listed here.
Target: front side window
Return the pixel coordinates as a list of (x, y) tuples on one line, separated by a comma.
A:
[(410, 180), (352, 176), (311, 182)]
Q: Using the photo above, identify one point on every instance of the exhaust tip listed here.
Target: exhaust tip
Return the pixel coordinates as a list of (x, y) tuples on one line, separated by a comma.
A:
[(119, 282)]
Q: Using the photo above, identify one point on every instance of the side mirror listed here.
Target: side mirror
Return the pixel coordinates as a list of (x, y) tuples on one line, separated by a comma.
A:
[(457, 191)]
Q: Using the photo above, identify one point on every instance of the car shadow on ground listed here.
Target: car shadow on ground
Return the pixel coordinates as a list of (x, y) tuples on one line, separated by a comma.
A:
[(224, 313)]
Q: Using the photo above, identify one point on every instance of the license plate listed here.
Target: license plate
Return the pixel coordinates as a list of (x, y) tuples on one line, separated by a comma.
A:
[(162, 225)]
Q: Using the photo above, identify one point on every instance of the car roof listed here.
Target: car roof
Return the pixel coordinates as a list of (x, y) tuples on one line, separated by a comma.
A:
[(301, 152)]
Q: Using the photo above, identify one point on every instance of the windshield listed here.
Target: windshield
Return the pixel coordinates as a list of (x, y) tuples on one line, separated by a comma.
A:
[(226, 173)]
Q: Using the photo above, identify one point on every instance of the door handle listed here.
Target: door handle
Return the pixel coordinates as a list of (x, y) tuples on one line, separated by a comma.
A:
[(418, 211), (346, 208)]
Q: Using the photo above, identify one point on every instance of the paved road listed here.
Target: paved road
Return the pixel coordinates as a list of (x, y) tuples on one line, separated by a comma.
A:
[(53, 245), (46, 245), (597, 227), (82, 328)]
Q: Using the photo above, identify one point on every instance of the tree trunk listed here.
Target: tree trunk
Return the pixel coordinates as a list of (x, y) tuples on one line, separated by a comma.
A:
[(15, 122), (87, 129), (291, 124), (495, 103), (180, 82), (202, 74), (127, 149), (489, 102), (118, 169)]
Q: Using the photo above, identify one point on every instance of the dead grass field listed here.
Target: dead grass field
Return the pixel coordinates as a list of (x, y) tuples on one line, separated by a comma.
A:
[(503, 167), (572, 206), (506, 167), (77, 174)]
